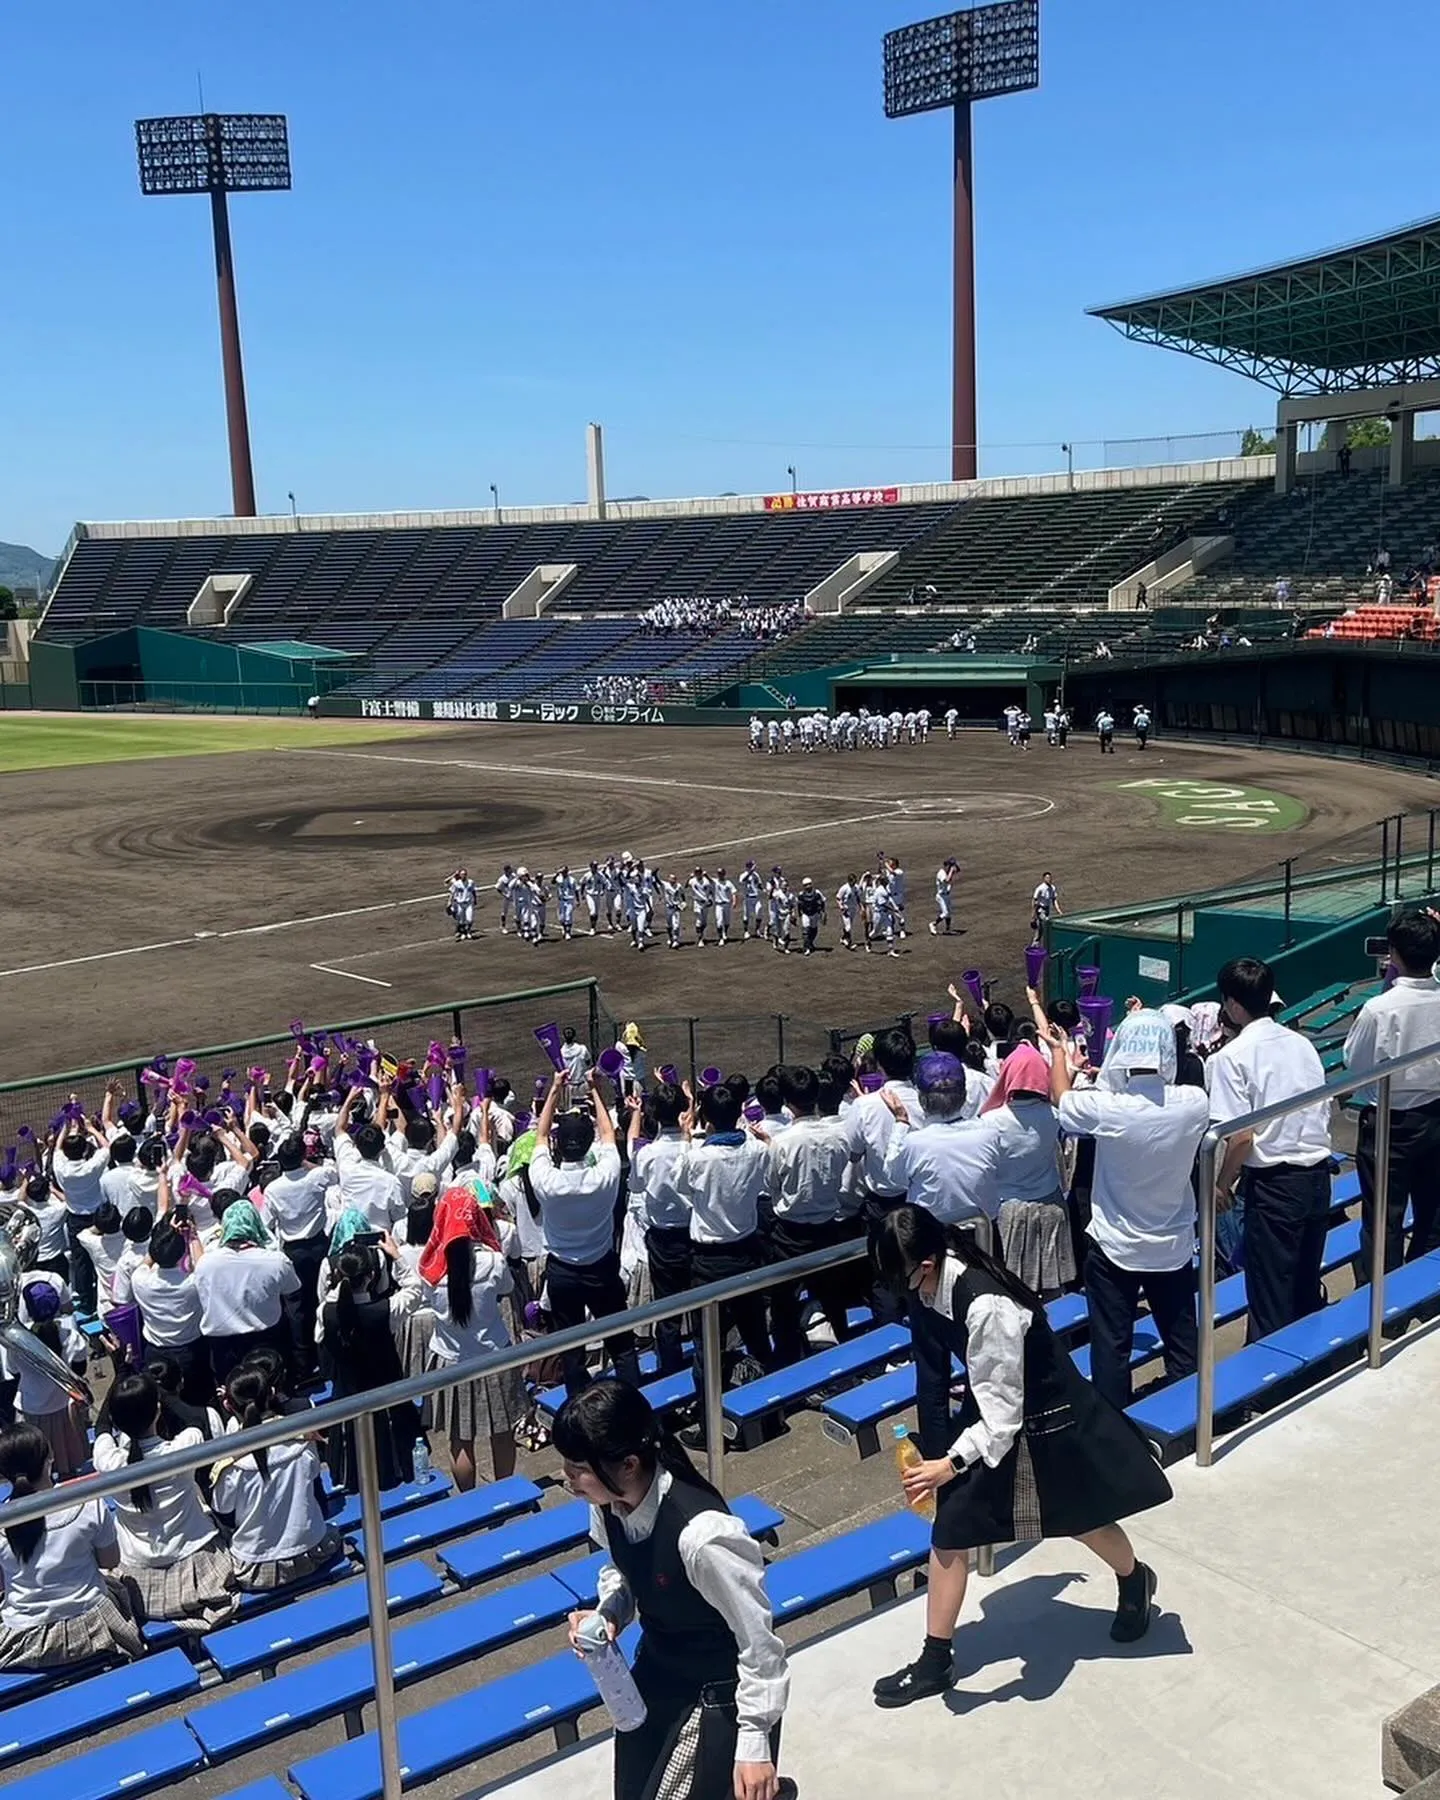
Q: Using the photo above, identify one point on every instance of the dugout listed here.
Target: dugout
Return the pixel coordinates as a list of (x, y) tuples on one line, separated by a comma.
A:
[(170, 671), (979, 689)]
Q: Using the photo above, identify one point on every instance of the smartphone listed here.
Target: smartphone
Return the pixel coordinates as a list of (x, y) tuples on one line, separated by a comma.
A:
[(1377, 946), (364, 1238)]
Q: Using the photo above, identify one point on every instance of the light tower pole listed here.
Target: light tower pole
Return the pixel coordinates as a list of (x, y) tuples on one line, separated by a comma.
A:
[(220, 154), (951, 62)]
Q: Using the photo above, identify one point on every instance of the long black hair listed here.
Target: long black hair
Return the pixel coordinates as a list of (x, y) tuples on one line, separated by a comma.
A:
[(460, 1279), (250, 1395), (359, 1267), (907, 1236), (610, 1420), (24, 1453), (133, 1406)]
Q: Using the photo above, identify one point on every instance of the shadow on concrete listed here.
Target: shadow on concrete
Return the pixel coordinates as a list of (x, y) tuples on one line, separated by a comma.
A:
[(1028, 1623)]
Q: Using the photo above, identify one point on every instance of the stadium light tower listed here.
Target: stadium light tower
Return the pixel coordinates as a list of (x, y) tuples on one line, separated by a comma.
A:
[(953, 61), (220, 154)]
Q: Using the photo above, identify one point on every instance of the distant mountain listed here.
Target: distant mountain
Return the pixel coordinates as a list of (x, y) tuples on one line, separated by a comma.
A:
[(19, 565)]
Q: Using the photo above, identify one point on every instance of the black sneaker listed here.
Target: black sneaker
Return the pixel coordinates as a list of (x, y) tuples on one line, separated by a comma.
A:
[(1132, 1614), (920, 1680)]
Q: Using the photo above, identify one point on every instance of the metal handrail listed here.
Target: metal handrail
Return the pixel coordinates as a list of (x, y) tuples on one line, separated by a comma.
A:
[(1378, 1077)]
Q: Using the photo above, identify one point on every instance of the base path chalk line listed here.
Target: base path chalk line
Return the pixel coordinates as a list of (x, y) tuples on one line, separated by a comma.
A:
[(350, 975)]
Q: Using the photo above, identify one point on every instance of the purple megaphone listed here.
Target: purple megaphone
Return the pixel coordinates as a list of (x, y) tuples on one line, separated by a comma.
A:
[(523, 1122), (754, 1111), (365, 1056), (297, 1029), (611, 1062), (710, 1076), (25, 1134), (201, 1084), (180, 1088), (319, 1064), (188, 1119), (975, 984), (483, 1078), (457, 1054), (210, 1118), (1097, 1014), (670, 1075), (1036, 956), (872, 1082), (258, 1077), (154, 1077), (162, 1063), (548, 1038), (1088, 981), (435, 1090), (185, 1067)]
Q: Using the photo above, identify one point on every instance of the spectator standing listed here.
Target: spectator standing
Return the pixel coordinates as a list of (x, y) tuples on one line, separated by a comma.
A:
[(164, 1289), (365, 1182), (373, 1294), (662, 1208), (296, 1204), (1142, 1224), (808, 1164), (1406, 1017), (242, 1284), (1282, 1169), (81, 1158), (870, 1124), (579, 1195), (1033, 1222)]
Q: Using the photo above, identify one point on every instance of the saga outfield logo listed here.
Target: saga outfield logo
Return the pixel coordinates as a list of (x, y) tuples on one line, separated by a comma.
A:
[(1214, 806)]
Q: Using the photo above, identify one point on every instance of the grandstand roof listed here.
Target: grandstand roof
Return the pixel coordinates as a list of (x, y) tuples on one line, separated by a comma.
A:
[(1365, 315)]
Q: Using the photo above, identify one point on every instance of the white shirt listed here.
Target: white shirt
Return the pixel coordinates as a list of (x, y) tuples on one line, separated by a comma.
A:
[(118, 1186), (169, 1304), (79, 1179), (276, 1514), (368, 1186), (1142, 1205), (54, 1238), (1260, 1066), (995, 1327), (655, 1186), (104, 1253), (295, 1203), (242, 1290), (1029, 1135), (577, 1202), (576, 1058), (808, 1162), (726, 1567), (723, 1184), (175, 1524), (1407, 1018), (949, 1166), (407, 1163), (62, 1579), (487, 1329), (870, 1124)]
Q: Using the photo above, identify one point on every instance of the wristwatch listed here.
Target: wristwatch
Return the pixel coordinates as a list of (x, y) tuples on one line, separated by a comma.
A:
[(958, 1463)]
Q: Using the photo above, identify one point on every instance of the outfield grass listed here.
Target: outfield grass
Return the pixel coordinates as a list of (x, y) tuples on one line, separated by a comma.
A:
[(45, 741)]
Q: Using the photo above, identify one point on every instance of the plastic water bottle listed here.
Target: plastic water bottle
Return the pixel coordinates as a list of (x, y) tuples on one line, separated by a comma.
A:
[(907, 1456), (610, 1672), (424, 1470)]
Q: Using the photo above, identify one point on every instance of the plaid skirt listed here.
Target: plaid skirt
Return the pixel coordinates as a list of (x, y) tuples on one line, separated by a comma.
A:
[(486, 1406), (412, 1340), (109, 1629), (64, 1431), (1035, 1243), (197, 1593), (265, 1577)]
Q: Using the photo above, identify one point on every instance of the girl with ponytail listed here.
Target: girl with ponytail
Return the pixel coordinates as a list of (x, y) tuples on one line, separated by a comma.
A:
[(1035, 1452), (280, 1533), (374, 1294), (176, 1565), (60, 1605), (46, 1309), (710, 1668)]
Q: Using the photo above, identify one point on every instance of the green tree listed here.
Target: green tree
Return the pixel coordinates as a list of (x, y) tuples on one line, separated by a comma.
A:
[(8, 608), (1368, 434), (1255, 443)]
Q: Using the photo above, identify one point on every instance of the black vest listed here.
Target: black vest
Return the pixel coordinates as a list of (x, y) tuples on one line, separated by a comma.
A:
[(1049, 1375), (681, 1628)]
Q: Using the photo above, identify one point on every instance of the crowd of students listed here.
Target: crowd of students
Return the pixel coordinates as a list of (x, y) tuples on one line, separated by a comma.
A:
[(362, 1218)]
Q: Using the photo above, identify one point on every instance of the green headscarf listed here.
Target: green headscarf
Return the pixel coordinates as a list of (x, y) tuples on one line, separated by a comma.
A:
[(242, 1224), (520, 1153), (349, 1225)]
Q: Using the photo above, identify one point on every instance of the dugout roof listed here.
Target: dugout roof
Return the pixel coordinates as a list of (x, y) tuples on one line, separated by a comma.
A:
[(1366, 315)]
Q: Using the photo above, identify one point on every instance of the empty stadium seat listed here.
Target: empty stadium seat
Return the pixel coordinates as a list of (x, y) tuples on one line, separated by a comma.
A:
[(443, 1518), (260, 1643), (34, 1725), (133, 1765)]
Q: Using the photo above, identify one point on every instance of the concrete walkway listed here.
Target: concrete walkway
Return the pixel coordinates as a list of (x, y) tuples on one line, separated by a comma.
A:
[(1299, 1580)]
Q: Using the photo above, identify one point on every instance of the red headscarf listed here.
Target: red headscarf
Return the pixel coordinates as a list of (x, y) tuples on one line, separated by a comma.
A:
[(458, 1215), (1024, 1071)]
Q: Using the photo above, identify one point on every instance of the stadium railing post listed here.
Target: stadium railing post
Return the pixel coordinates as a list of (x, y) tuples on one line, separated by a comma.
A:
[(378, 1604), (1205, 1345), (710, 1337), (1380, 1207)]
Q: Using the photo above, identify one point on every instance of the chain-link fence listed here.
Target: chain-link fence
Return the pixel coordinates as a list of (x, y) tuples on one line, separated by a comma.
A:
[(498, 1031), (733, 1043)]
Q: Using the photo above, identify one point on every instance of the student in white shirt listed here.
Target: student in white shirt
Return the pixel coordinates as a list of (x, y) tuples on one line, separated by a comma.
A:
[(1283, 1168), (80, 1159), (365, 1183), (297, 1209), (243, 1283), (280, 1533), (103, 1243), (468, 1276), (808, 1162), (578, 1187), (1406, 1017), (939, 1159), (1142, 1223), (46, 1308), (48, 1209), (1034, 1224), (870, 1124), (576, 1058), (60, 1605), (174, 1558), (412, 1147), (164, 1289), (663, 1210)]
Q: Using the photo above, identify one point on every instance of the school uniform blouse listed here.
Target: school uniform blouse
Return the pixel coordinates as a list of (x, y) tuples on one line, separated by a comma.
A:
[(726, 1567), (243, 1290), (62, 1579), (487, 1329), (1029, 1134), (175, 1524), (276, 1514)]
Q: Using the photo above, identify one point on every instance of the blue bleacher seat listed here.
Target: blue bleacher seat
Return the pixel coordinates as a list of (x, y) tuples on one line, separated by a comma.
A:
[(664, 1393), (1070, 1313), (460, 1512), (341, 1684), (856, 1416), (1167, 1418), (510, 1546), (132, 1765), (269, 1787), (260, 1643), (870, 1557), (34, 1725), (746, 1407), (393, 1501), (1144, 1344), (1345, 1325)]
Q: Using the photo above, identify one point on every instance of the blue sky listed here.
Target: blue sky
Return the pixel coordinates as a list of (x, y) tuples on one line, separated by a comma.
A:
[(693, 223)]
